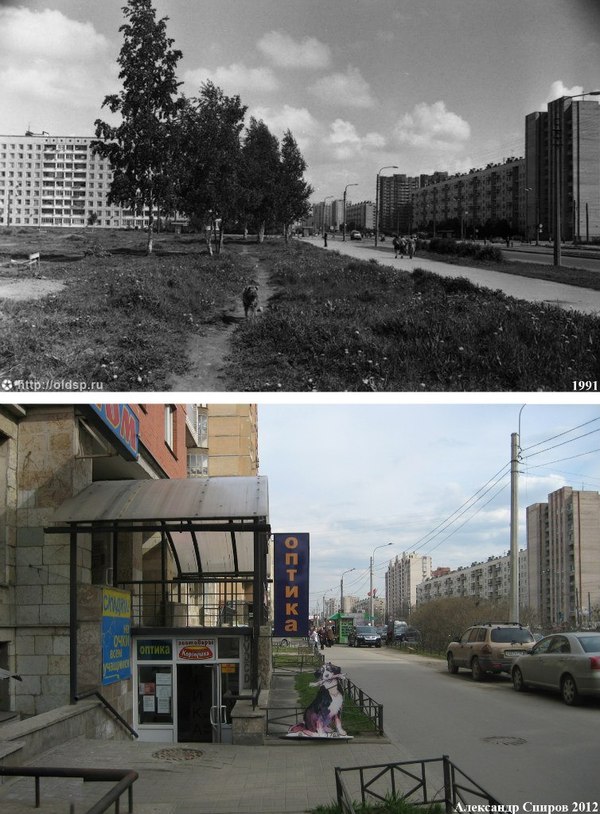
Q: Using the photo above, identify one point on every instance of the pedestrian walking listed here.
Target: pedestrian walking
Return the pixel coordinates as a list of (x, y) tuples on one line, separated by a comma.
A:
[(325, 239), (411, 247), (314, 639), (396, 245)]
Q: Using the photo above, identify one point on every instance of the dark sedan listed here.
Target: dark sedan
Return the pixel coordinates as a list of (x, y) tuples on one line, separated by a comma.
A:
[(364, 635)]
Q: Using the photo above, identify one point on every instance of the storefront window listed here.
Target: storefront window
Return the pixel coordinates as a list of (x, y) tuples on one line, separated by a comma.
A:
[(229, 647), (155, 694)]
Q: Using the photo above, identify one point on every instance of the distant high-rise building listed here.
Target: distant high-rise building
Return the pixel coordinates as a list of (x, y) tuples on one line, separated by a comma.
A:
[(395, 203), (402, 577)]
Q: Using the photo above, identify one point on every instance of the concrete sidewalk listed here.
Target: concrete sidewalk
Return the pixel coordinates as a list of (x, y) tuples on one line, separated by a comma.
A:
[(281, 777), (523, 288)]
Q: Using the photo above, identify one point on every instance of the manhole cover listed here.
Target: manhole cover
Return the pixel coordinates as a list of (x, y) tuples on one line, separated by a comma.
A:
[(505, 740), (177, 754)]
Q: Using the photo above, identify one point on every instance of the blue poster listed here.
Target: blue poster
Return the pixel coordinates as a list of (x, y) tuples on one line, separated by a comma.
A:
[(291, 562), (116, 635)]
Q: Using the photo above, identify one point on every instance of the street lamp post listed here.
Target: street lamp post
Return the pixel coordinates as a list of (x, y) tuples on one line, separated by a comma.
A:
[(387, 167), (557, 141), (371, 580), (344, 226), (342, 589)]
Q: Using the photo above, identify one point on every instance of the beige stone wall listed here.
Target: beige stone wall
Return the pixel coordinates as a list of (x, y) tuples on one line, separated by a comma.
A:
[(47, 474), (232, 439)]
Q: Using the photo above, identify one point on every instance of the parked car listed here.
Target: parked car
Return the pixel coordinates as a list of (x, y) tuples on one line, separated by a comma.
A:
[(355, 235), (568, 663), (490, 647), (364, 634)]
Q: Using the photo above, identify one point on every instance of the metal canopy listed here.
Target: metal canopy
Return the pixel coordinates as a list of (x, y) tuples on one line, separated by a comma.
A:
[(209, 522)]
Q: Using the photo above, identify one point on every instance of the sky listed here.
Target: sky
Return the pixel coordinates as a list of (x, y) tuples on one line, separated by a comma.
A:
[(430, 478), (362, 84)]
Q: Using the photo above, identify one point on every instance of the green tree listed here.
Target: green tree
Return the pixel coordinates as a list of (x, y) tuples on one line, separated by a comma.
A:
[(260, 176), (140, 147), (293, 192), (208, 159)]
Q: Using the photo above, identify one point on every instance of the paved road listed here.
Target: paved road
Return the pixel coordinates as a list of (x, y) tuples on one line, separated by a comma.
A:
[(519, 747), (571, 258), (541, 291)]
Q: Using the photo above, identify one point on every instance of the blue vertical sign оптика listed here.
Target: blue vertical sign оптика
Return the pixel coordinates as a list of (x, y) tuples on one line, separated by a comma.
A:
[(291, 561)]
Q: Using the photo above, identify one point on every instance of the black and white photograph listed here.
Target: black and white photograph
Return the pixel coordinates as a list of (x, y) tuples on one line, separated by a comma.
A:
[(343, 196)]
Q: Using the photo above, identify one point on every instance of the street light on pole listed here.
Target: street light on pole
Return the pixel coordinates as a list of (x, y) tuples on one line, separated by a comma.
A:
[(383, 545), (344, 227), (342, 589), (387, 167), (557, 142)]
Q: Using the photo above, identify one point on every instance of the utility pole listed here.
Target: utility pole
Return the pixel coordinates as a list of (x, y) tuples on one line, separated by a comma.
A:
[(514, 526)]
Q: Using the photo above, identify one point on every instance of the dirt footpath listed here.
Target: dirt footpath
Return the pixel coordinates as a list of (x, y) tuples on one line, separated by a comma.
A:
[(207, 351)]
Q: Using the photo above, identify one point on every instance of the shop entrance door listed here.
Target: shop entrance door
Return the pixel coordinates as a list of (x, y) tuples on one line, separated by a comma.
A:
[(194, 702)]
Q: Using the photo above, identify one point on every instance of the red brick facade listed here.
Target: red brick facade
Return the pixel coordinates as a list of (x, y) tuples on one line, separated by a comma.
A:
[(153, 436)]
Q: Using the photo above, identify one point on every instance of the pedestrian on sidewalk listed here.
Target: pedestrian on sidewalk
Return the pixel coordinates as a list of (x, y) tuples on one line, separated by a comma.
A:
[(325, 239), (314, 639)]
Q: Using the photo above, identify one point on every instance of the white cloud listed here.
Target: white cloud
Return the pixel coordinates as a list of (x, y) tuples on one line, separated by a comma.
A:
[(286, 52), (346, 143), (299, 120), (233, 79), (348, 89), (558, 89), (432, 127), (48, 35), (47, 60)]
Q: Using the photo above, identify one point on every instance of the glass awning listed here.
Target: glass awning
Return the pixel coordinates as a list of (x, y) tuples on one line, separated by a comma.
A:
[(209, 523)]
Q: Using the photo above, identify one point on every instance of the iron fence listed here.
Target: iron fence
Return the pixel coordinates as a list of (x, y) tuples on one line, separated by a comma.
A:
[(370, 708), (419, 782), (122, 778)]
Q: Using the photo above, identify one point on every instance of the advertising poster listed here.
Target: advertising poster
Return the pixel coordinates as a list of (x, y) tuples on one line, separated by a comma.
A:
[(116, 635), (291, 562)]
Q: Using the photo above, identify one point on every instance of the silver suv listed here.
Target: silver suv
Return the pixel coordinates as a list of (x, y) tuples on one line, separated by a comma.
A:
[(489, 647)]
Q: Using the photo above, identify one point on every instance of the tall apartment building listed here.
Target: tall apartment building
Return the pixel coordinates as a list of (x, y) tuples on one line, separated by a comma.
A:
[(57, 181), (395, 203), (488, 580), (563, 543), (401, 579), (562, 155), (464, 203)]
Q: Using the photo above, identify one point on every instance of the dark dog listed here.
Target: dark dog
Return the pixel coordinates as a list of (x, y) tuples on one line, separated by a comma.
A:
[(325, 711), (250, 299)]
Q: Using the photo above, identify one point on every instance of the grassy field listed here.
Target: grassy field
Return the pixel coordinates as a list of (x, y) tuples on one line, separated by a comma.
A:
[(334, 323), (339, 324), (123, 318)]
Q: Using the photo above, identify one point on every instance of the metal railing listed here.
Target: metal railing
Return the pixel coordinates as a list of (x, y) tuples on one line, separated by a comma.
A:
[(296, 659), (123, 779), (81, 695), (419, 782), (369, 708), (222, 602)]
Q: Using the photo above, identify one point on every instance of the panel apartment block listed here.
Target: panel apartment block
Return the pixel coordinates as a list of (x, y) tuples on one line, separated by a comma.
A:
[(562, 149), (563, 540), (57, 181)]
